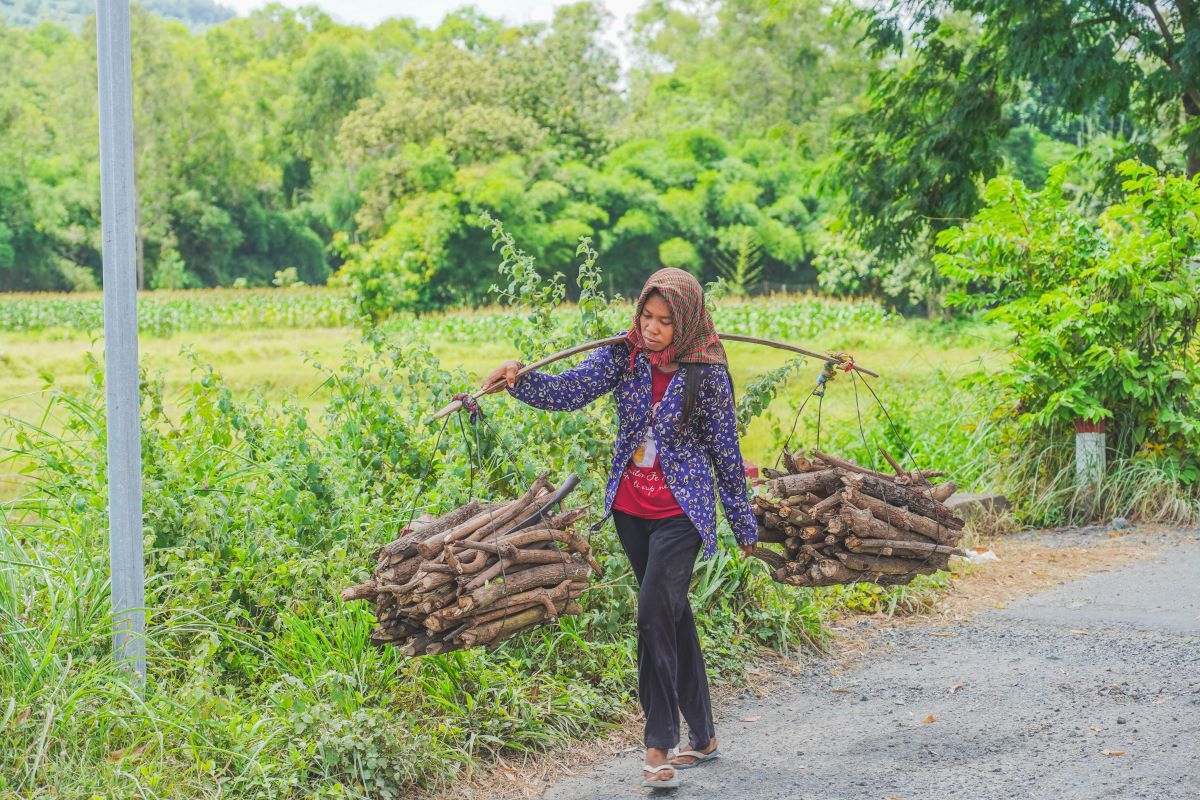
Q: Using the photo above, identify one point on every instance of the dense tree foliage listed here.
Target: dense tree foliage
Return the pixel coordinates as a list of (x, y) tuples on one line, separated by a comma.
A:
[(948, 114), (284, 141)]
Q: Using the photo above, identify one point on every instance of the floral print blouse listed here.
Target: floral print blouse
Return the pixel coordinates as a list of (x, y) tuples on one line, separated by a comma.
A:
[(688, 457)]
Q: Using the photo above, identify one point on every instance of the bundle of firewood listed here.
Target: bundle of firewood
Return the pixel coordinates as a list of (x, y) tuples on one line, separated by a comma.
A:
[(842, 523), (480, 574)]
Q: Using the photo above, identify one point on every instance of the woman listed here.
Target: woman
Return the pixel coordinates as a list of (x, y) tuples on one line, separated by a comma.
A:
[(676, 428)]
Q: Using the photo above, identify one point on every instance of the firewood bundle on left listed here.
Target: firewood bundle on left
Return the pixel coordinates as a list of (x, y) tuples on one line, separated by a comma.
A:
[(479, 574)]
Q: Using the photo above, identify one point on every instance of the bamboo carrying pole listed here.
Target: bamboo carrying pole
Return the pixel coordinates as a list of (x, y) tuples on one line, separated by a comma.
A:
[(455, 405)]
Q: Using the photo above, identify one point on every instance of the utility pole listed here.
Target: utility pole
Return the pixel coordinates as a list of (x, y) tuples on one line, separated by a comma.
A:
[(118, 204)]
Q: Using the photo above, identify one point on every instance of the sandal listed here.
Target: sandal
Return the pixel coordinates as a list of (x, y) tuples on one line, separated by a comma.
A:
[(667, 783), (698, 757)]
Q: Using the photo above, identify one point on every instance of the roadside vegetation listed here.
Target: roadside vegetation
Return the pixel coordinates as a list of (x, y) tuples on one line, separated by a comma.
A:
[(321, 209)]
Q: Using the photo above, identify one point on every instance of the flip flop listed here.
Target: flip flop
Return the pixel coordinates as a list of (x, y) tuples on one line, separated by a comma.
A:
[(699, 757), (669, 783)]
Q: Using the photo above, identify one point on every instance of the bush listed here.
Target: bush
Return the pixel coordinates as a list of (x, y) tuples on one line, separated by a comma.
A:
[(1103, 314)]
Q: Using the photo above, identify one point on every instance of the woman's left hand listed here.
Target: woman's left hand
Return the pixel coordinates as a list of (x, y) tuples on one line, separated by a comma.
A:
[(747, 549)]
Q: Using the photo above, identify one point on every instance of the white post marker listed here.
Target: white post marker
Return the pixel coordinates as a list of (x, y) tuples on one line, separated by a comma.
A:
[(1090, 460), (118, 202)]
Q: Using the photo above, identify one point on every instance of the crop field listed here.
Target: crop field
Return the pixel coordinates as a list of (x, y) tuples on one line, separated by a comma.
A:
[(263, 343)]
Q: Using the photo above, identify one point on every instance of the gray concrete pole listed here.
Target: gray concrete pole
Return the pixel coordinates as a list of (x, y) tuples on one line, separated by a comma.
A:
[(118, 204)]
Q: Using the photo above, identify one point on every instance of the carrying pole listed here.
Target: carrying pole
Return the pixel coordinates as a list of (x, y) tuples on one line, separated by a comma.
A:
[(118, 203)]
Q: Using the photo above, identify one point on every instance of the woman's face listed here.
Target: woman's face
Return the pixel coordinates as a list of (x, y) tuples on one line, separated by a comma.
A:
[(658, 327)]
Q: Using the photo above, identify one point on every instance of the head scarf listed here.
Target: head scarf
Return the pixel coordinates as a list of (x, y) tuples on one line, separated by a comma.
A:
[(695, 339)]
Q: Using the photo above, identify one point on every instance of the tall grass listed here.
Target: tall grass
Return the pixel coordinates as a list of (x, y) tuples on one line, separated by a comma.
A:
[(1039, 473)]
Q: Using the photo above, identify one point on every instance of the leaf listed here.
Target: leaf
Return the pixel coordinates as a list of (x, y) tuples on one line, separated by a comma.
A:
[(137, 749), (929, 719), (956, 687), (1112, 752), (754, 718)]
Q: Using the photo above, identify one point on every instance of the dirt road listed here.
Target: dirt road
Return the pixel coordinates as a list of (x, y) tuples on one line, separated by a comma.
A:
[(1087, 690)]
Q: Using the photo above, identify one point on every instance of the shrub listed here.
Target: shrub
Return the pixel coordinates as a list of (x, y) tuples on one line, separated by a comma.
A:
[(1103, 314)]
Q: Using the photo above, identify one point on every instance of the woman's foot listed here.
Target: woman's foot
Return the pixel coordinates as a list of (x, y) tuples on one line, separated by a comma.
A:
[(691, 758), (659, 757)]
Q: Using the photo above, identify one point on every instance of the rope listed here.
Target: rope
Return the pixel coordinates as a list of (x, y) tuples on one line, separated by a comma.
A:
[(476, 416), (862, 434), (470, 405), (891, 422), (820, 403), (412, 507), (471, 457)]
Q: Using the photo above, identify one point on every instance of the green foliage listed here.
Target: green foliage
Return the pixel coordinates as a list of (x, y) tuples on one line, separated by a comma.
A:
[(756, 397), (744, 267), (969, 72), (748, 68), (1103, 314)]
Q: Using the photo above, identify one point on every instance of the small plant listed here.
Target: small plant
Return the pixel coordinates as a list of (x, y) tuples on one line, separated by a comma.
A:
[(287, 278), (740, 270), (1103, 313)]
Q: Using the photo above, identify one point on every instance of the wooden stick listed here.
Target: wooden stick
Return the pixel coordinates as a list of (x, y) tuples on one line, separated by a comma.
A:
[(915, 500), (885, 547), (769, 557), (733, 337), (943, 491), (850, 465), (826, 507), (900, 473), (882, 564), (363, 591), (524, 580), (570, 483), (900, 518), (822, 483), (490, 521), (496, 632), (406, 544)]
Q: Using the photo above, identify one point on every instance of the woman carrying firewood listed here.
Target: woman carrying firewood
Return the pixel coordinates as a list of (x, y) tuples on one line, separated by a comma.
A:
[(677, 429)]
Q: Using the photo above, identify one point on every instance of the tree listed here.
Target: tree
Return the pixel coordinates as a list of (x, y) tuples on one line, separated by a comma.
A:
[(746, 67), (1103, 313), (914, 161)]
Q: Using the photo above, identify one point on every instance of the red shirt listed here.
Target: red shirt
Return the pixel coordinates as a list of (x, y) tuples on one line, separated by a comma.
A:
[(643, 490)]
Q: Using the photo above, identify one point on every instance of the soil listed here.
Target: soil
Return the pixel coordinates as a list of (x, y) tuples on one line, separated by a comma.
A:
[(1068, 668)]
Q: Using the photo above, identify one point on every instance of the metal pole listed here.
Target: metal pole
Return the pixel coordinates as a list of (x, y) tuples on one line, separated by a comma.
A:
[(118, 203)]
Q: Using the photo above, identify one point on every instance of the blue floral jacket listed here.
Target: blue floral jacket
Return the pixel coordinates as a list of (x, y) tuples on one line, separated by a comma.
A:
[(688, 457)]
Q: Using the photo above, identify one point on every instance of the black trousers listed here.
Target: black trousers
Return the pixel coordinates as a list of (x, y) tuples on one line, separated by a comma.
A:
[(671, 676)]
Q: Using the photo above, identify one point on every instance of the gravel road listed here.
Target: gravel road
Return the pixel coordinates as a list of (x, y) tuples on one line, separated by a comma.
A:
[(1090, 690)]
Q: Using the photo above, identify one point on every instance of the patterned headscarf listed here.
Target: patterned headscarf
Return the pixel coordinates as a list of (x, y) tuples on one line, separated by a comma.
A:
[(695, 339)]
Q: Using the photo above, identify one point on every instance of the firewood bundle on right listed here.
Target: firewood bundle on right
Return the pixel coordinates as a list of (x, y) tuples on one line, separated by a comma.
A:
[(842, 523)]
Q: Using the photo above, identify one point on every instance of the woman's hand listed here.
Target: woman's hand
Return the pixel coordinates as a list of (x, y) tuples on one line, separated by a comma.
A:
[(506, 372), (747, 549)]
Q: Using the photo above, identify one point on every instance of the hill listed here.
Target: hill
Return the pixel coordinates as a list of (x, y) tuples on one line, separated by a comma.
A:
[(196, 14)]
